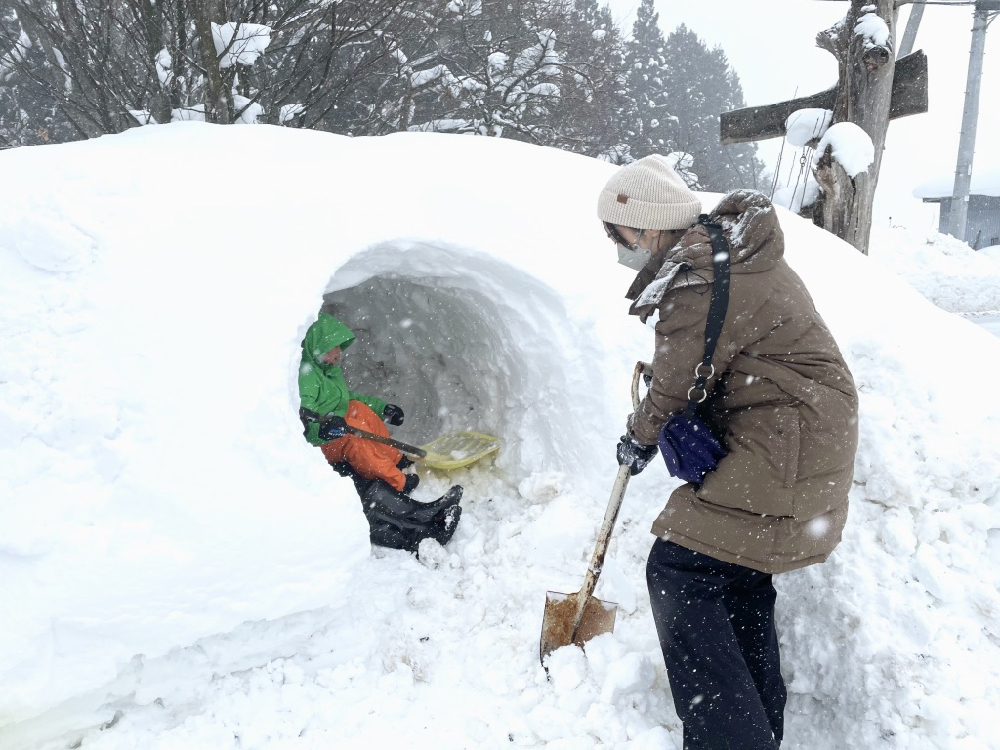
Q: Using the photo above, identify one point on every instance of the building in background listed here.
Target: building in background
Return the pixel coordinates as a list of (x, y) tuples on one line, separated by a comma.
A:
[(982, 228)]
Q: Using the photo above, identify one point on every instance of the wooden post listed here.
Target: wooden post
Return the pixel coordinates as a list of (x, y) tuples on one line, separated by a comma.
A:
[(866, 71), (872, 89), (909, 97)]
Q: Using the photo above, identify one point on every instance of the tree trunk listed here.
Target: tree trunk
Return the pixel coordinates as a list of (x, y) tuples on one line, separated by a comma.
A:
[(863, 97), (216, 100), (152, 15)]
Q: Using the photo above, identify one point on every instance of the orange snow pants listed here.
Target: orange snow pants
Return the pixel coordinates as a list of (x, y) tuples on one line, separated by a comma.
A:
[(369, 459)]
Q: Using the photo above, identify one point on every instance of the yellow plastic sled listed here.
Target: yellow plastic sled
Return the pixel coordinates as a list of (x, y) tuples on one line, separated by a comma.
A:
[(458, 449)]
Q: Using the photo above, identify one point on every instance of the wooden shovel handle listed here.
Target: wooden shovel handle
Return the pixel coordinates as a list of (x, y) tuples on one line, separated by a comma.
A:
[(610, 516)]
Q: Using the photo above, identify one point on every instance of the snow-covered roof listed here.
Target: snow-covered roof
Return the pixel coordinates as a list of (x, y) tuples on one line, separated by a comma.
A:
[(985, 181)]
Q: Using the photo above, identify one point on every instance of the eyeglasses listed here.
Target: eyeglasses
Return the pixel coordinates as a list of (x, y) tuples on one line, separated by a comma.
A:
[(613, 234)]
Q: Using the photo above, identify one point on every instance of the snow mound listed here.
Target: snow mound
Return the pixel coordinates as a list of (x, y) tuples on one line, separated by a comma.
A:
[(181, 569), (942, 268)]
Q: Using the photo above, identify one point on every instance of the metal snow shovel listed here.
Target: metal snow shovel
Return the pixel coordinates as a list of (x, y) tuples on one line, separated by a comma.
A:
[(576, 618)]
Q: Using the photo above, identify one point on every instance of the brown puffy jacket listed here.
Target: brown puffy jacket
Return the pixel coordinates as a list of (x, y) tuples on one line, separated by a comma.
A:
[(782, 399)]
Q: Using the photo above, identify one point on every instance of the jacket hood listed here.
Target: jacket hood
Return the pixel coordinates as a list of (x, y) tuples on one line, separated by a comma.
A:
[(322, 336), (756, 243), (750, 223)]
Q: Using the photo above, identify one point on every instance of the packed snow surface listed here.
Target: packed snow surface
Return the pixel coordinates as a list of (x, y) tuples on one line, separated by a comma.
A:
[(180, 569), (945, 270)]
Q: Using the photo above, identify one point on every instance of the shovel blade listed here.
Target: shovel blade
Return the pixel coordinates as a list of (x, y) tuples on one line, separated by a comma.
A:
[(458, 449), (557, 621)]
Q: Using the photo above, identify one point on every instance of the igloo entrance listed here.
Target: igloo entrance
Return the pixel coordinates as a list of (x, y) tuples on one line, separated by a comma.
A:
[(438, 335)]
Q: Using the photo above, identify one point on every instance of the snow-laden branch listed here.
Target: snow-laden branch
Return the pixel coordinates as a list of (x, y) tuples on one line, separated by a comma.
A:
[(15, 55), (239, 43)]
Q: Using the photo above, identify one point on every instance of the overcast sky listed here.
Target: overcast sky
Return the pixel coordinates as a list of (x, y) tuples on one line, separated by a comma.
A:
[(770, 44)]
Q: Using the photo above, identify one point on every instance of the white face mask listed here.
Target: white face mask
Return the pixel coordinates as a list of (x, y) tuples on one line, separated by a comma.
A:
[(634, 257)]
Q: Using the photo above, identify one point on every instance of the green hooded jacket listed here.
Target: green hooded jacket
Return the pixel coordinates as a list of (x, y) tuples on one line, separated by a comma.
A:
[(322, 387)]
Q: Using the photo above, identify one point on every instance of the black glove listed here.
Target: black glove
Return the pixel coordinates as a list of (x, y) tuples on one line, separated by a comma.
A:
[(332, 428), (393, 414), (635, 455), (343, 468), (412, 480)]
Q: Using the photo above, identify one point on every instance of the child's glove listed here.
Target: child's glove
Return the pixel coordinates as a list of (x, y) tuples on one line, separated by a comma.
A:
[(393, 414), (412, 480), (332, 428)]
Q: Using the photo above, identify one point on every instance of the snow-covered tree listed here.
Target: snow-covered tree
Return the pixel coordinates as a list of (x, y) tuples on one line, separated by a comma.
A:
[(82, 69), (496, 72), (552, 72), (648, 73), (701, 85), (596, 114)]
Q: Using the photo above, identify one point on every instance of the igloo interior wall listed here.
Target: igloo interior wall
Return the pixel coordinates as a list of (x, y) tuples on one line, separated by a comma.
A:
[(445, 354)]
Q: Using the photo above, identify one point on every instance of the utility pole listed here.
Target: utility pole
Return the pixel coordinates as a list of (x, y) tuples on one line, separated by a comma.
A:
[(910, 34), (984, 13)]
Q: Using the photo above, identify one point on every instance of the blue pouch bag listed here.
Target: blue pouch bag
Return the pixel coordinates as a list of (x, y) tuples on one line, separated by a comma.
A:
[(690, 449)]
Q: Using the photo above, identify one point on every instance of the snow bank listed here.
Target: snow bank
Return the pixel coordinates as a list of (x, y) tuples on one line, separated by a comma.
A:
[(909, 601), (157, 486), (943, 269), (183, 567)]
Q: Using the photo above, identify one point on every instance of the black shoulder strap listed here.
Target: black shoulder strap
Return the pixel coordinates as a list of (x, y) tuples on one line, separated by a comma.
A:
[(716, 311)]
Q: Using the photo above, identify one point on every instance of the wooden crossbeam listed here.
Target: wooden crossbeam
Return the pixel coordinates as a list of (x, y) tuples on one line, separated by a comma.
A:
[(909, 97)]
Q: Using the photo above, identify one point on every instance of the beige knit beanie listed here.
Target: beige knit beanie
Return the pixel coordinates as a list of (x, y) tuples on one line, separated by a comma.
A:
[(648, 194)]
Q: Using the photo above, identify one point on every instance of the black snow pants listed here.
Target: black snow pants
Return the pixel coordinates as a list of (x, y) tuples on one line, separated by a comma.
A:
[(715, 621), (396, 520)]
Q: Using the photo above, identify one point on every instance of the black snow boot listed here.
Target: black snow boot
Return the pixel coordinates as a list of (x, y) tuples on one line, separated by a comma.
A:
[(386, 533), (383, 499), (446, 523), (453, 495)]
